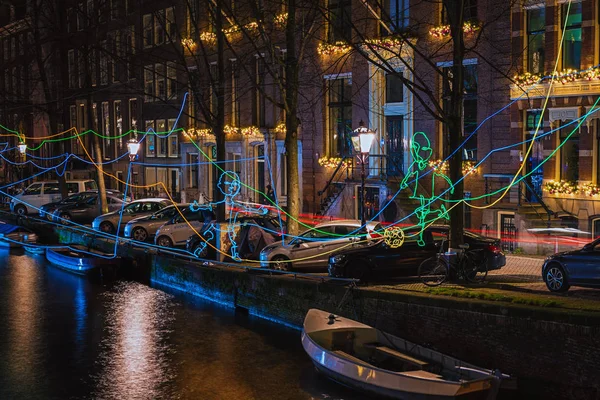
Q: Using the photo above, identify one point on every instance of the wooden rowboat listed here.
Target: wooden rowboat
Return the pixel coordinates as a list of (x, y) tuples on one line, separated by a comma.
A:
[(80, 262), (14, 236), (365, 358)]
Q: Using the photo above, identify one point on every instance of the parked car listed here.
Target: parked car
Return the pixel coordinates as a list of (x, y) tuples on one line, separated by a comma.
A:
[(256, 232), (85, 211), (143, 228), (311, 249), (177, 231), (47, 210), (580, 267), (137, 208), (44, 192), (380, 260)]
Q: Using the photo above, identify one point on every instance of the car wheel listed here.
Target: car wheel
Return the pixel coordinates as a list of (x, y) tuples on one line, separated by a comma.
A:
[(164, 241), (107, 227), (66, 218), (281, 263), (358, 270), (21, 210), (139, 234), (556, 278)]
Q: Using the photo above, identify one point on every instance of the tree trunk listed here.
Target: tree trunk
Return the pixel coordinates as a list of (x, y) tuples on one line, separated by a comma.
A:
[(292, 121), (93, 124), (454, 9), (219, 118)]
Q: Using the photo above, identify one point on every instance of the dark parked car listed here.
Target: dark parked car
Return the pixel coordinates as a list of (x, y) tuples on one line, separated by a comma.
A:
[(380, 260), (256, 232), (48, 209), (84, 212), (573, 268)]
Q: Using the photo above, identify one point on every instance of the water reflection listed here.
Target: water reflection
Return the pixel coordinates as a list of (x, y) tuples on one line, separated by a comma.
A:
[(22, 302), (134, 355)]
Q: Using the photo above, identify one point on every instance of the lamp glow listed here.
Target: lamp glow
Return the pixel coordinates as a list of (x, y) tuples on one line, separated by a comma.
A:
[(22, 148), (362, 139), (133, 147)]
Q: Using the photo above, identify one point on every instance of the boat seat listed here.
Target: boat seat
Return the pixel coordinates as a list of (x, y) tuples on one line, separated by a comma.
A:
[(350, 357), (422, 374), (401, 356)]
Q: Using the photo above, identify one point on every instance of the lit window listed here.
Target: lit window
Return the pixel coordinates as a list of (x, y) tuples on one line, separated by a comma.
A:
[(536, 40), (572, 44)]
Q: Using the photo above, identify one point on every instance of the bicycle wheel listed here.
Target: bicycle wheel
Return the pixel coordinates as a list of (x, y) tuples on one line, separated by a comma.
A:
[(433, 271), (475, 266)]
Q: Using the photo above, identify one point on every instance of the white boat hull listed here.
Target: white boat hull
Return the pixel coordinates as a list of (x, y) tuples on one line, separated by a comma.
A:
[(359, 374)]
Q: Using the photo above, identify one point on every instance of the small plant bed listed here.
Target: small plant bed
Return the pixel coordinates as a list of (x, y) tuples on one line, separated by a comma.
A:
[(494, 296)]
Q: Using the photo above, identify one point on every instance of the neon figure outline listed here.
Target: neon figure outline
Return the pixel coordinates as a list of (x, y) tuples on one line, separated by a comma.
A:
[(229, 184), (421, 155)]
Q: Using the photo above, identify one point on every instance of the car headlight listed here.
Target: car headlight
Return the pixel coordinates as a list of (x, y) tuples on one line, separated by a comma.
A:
[(337, 258)]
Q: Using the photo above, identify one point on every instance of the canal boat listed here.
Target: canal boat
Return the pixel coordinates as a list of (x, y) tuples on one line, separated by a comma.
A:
[(373, 361), (79, 260), (14, 236)]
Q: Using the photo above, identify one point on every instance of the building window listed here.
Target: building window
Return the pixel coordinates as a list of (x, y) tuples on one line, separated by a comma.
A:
[(469, 107), (133, 114), (80, 17), (93, 67), (259, 173), (235, 108), (173, 139), (469, 11), (159, 28), (394, 15), (148, 30), (340, 21), (161, 89), (162, 140), (572, 44), (171, 81), (150, 140), (258, 116), (394, 88), (170, 26), (105, 129), (148, 83), (569, 155), (192, 162), (532, 120), (118, 123), (339, 116), (536, 39), (283, 188), (71, 69), (104, 63)]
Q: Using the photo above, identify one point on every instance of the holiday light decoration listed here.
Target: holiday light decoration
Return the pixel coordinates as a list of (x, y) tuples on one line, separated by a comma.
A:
[(280, 128), (332, 162), (209, 38), (567, 187), (387, 43), (468, 166), (337, 48), (280, 20), (250, 131), (196, 133), (393, 236), (566, 76), (527, 79), (189, 44), (442, 31)]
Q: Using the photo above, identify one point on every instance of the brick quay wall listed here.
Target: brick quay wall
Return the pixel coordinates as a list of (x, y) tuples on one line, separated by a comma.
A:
[(553, 354)]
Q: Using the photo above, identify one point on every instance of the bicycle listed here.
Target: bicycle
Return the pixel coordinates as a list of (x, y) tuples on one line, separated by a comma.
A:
[(471, 266)]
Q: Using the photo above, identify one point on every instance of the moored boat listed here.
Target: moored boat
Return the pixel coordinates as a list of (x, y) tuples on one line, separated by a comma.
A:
[(365, 358), (14, 236), (81, 262)]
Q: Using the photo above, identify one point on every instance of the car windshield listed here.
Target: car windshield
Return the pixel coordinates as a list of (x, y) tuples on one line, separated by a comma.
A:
[(165, 213)]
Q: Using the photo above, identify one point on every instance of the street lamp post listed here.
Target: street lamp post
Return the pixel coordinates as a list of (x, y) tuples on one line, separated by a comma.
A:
[(133, 147), (362, 139)]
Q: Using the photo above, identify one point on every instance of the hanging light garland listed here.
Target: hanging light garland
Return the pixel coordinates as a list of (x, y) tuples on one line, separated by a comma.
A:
[(443, 31), (566, 187), (337, 48), (332, 162), (468, 166)]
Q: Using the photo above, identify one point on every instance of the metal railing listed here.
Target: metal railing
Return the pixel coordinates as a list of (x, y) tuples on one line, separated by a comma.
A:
[(536, 195)]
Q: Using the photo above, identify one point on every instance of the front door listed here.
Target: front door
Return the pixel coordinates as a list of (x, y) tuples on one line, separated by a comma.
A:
[(394, 127), (534, 171), (508, 232)]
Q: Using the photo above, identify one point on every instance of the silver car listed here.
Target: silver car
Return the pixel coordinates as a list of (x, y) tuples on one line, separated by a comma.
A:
[(311, 249), (137, 208), (143, 228)]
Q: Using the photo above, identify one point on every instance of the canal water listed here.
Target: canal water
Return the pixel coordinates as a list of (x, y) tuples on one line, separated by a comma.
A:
[(66, 337)]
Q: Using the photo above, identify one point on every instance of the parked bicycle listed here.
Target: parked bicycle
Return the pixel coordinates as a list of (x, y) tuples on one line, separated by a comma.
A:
[(469, 265)]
